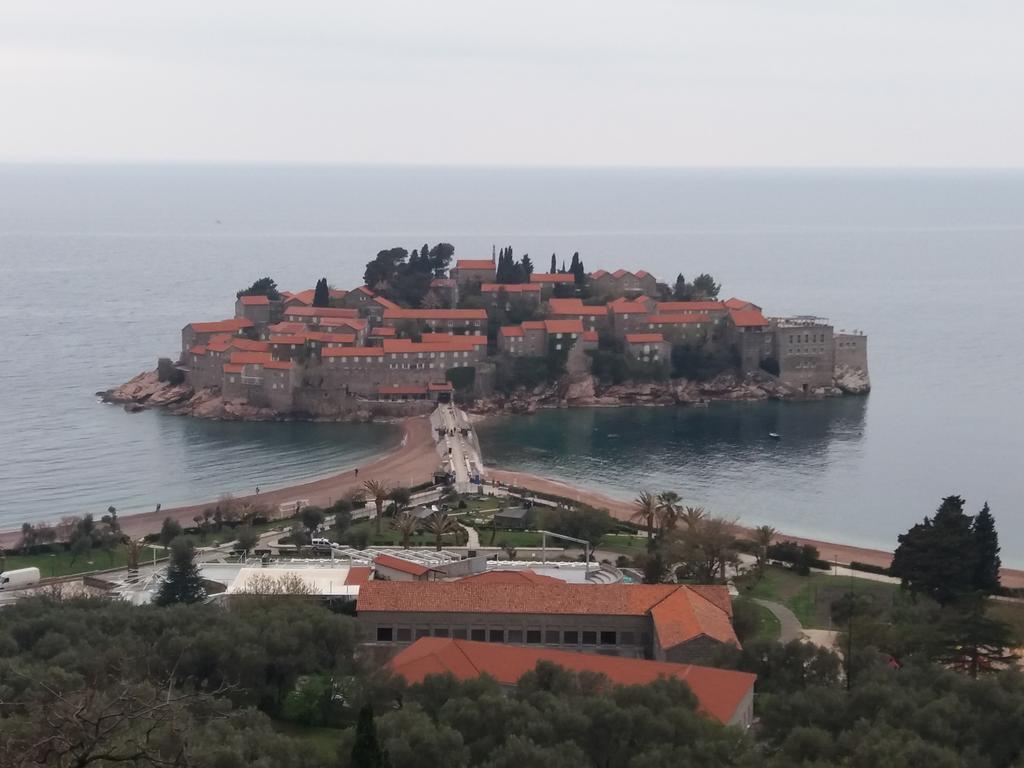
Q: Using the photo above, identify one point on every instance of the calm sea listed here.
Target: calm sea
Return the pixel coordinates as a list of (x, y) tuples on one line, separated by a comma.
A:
[(101, 266)]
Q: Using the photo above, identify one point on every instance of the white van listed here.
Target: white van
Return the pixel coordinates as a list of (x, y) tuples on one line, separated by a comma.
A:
[(19, 578), (321, 542)]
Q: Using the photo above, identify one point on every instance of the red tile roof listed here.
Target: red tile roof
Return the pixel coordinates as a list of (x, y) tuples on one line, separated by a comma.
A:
[(343, 322), (279, 365), (590, 336), (251, 358), (435, 314), (222, 326), (475, 264), (598, 273), (675, 307), (397, 389), (386, 303), (720, 692), (445, 387), (511, 330), (735, 303), (233, 368), (297, 338), (199, 349), (510, 287), (525, 576), (286, 328), (677, 319), (251, 301), (358, 575), (302, 297), (398, 564), (575, 307), (689, 613), (747, 318), (365, 290), (248, 345), (335, 312), (564, 326), (383, 330), (644, 338), (533, 325), (551, 277)]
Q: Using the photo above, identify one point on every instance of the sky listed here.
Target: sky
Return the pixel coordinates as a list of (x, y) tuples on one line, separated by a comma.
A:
[(673, 83)]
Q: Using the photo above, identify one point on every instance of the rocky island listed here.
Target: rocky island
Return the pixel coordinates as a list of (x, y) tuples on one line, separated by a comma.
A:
[(498, 336)]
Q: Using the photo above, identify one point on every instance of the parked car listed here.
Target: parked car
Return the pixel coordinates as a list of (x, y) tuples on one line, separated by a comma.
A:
[(19, 578)]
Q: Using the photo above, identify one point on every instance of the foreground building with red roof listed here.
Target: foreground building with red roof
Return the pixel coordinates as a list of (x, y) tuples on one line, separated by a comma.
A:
[(723, 695), (664, 622)]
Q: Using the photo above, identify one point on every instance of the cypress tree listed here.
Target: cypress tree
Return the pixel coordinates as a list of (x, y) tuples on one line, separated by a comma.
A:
[(182, 582), (322, 294), (366, 749), (527, 267), (986, 552), (554, 266), (938, 556)]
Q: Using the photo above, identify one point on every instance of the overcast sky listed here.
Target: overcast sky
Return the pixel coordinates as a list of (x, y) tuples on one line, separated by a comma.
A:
[(530, 82)]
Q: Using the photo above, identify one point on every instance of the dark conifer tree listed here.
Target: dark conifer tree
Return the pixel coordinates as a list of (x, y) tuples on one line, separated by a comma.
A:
[(554, 266), (986, 552), (322, 294), (182, 583), (527, 267), (367, 751)]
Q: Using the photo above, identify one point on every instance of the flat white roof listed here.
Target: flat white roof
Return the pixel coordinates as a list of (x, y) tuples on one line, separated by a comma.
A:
[(329, 582)]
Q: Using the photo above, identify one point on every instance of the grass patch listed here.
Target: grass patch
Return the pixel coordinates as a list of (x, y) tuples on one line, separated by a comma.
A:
[(624, 544), (63, 564), (811, 597), (388, 537), (768, 626)]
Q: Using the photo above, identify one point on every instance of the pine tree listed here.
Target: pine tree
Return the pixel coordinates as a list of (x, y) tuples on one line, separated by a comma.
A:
[(986, 552), (554, 266), (681, 292), (937, 557), (367, 751), (971, 641), (182, 582)]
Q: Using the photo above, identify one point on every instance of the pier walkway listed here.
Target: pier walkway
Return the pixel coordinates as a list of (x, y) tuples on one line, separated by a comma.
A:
[(458, 446)]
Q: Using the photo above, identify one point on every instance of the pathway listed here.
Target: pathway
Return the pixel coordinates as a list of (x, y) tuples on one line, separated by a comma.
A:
[(790, 627)]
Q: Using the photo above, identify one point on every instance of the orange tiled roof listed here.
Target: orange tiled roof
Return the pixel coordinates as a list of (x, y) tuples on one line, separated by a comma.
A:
[(254, 301), (575, 307), (285, 329), (533, 325), (677, 319), (383, 330), (251, 358), (233, 368), (735, 303), (525, 576), (223, 326), (220, 342), (644, 338), (386, 303), (288, 339), (598, 273), (303, 297), (641, 273), (248, 345), (675, 307), (435, 314), (199, 349), (511, 330), (720, 692), (510, 287), (357, 575), (564, 326), (352, 352), (399, 389), (331, 338), (321, 312), (475, 264), (398, 564), (445, 387), (747, 318), (590, 336), (343, 322), (279, 365), (688, 614), (551, 277)]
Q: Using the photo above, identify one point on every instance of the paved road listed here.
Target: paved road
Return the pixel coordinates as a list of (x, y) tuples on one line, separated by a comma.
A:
[(791, 628)]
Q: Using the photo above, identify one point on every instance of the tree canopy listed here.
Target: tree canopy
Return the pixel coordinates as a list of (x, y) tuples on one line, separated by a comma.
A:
[(265, 286)]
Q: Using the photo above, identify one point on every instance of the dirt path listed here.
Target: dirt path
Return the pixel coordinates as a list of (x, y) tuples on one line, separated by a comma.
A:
[(413, 462), (623, 510)]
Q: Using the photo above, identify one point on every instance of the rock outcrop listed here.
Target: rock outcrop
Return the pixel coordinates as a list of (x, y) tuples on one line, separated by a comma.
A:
[(852, 381)]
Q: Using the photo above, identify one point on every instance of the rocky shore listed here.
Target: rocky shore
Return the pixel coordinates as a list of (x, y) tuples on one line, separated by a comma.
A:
[(583, 390)]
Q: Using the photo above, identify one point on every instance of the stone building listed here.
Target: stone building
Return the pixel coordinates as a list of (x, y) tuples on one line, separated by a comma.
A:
[(259, 309), (518, 292), (594, 318), (622, 282), (317, 315), (467, 271), (200, 333), (805, 350), (666, 622), (748, 331), (693, 329), (648, 347), (461, 321)]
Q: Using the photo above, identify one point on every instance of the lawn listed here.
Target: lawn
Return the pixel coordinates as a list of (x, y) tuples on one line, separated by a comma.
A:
[(389, 537), (768, 627), (624, 544), (811, 597), (63, 564)]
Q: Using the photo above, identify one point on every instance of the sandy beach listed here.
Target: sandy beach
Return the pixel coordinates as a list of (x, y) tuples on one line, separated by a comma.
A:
[(413, 462), (623, 510)]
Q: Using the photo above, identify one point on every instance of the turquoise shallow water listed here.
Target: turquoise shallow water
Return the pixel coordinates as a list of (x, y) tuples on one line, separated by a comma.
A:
[(101, 266)]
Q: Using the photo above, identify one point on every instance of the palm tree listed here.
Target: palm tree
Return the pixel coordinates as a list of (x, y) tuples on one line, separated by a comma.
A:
[(669, 504), (763, 536), (646, 508), (439, 523), (378, 491), (406, 524), (691, 516)]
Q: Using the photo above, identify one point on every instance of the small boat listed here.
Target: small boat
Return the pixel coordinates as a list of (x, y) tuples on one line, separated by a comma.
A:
[(774, 435)]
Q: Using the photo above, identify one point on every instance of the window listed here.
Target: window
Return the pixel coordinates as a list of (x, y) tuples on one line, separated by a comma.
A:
[(404, 635), (590, 638), (441, 632), (384, 634), (570, 638), (515, 635), (478, 634), (497, 636), (422, 632), (608, 638), (551, 637), (533, 636)]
